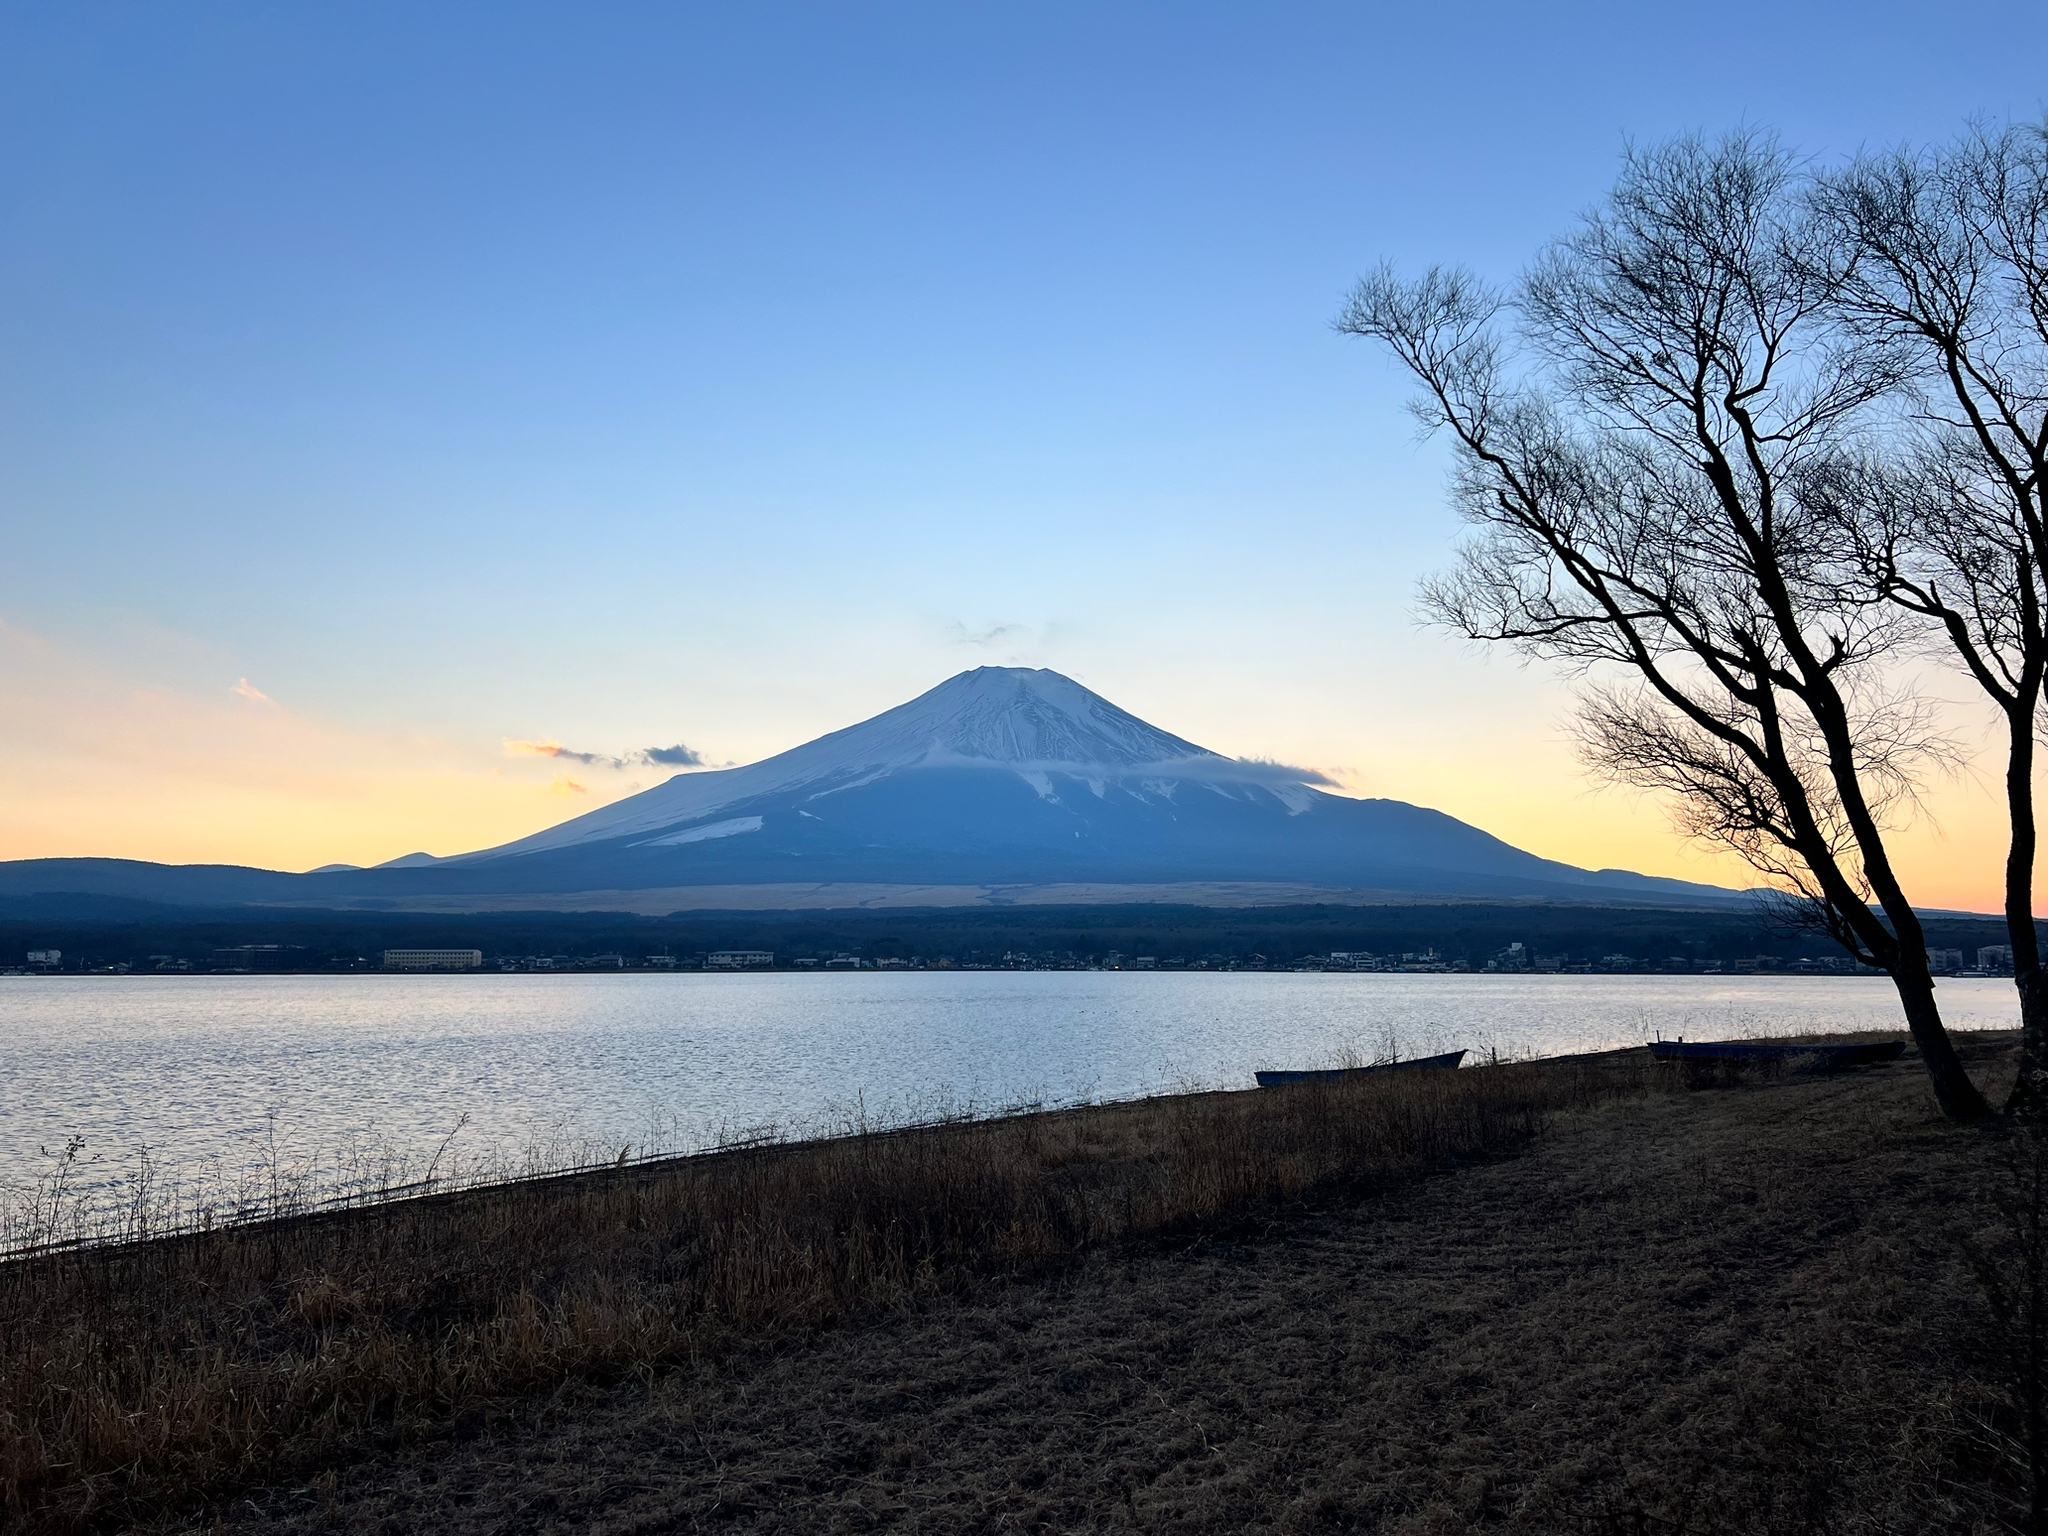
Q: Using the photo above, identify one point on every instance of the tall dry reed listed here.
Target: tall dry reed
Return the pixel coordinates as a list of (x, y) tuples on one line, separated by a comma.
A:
[(149, 1376)]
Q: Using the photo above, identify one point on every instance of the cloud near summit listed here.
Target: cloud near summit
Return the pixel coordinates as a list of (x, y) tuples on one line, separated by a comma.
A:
[(1207, 768), (1264, 770)]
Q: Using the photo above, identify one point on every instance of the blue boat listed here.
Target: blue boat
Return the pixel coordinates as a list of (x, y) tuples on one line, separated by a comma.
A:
[(1443, 1063), (1820, 1055)]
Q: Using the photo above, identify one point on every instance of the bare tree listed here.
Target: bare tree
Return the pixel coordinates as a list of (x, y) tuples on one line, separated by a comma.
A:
[(1945, 255), (1630, 457)]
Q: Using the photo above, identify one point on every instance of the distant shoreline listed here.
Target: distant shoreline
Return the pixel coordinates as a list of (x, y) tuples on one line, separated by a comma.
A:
[(1460, 936), (1277, 970)]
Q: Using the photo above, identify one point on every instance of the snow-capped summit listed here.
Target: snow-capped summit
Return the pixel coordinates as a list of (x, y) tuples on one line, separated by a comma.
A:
[(1012, 716), (1029, 722)]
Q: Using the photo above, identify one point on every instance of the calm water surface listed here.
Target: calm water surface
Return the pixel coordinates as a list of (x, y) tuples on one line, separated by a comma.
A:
[(213, 1070)]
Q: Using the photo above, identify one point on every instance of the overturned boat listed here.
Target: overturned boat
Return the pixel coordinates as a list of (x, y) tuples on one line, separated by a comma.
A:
[(1443, 1063)]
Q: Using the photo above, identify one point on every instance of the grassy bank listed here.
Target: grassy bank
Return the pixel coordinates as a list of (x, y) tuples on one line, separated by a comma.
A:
[(1793, 1305), (141, 1379)]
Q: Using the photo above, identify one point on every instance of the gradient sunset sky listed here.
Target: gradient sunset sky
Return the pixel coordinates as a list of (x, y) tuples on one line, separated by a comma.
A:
[(392, 394)]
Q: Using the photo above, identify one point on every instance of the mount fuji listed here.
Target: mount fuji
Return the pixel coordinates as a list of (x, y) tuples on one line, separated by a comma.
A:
[(1003, 784)]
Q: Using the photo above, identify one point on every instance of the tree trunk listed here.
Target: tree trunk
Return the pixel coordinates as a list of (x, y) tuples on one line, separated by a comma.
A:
[(1953, 1090), (2030, 1089), (1905, 959), (2029, 1094)]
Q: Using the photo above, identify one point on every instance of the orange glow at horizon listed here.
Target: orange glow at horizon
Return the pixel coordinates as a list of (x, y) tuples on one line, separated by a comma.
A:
[(1532, 792), (97, 767), (93, 765)]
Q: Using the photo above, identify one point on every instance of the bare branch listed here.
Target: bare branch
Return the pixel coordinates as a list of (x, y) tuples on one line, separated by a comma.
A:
[(1652, 449)]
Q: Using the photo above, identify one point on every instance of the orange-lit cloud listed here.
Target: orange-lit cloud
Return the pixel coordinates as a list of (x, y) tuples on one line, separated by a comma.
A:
[(677, 756), (564, 785)]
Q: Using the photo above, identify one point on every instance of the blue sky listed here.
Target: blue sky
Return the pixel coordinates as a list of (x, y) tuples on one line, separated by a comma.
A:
[(624, 375)]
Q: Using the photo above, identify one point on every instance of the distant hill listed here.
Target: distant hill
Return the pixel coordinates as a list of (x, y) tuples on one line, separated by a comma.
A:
[(1000, 785)]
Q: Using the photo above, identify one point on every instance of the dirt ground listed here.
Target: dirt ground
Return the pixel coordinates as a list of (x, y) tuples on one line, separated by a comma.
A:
[(1736, 1310)]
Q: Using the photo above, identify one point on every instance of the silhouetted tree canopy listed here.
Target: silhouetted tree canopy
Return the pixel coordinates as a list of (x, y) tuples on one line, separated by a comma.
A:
[(1657, 437)]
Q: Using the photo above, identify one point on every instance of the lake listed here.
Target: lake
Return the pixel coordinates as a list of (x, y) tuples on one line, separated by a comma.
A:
[(219, 1076)]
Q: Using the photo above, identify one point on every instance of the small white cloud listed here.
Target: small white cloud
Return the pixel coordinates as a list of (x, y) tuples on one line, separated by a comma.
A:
[(995, 634)]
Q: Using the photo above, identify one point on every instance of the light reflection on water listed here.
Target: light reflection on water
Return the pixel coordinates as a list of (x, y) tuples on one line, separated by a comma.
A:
[(206, 1069)]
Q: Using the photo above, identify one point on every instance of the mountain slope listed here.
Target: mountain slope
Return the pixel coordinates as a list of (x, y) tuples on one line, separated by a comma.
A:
[(1018, 721), (998, 778)]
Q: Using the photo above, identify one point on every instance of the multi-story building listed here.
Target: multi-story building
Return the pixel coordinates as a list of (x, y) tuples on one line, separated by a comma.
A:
[(433, 959), (740, 960), (1514, 958)]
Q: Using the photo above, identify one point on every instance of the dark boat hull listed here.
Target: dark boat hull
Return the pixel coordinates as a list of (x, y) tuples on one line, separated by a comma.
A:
[(1443, 1063), (1735, 1050)]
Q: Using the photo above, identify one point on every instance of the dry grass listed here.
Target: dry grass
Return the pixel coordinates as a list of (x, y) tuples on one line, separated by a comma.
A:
[(141, 1379), (1758, 1311)]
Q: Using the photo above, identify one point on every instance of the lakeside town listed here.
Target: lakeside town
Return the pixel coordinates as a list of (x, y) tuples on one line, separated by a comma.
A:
[(1515, 959)]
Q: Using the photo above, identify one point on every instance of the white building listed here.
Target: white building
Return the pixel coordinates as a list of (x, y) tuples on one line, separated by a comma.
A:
[(740, 960)]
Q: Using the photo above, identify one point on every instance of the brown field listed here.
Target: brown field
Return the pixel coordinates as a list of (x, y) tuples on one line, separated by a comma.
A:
[(1590, 1295)]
